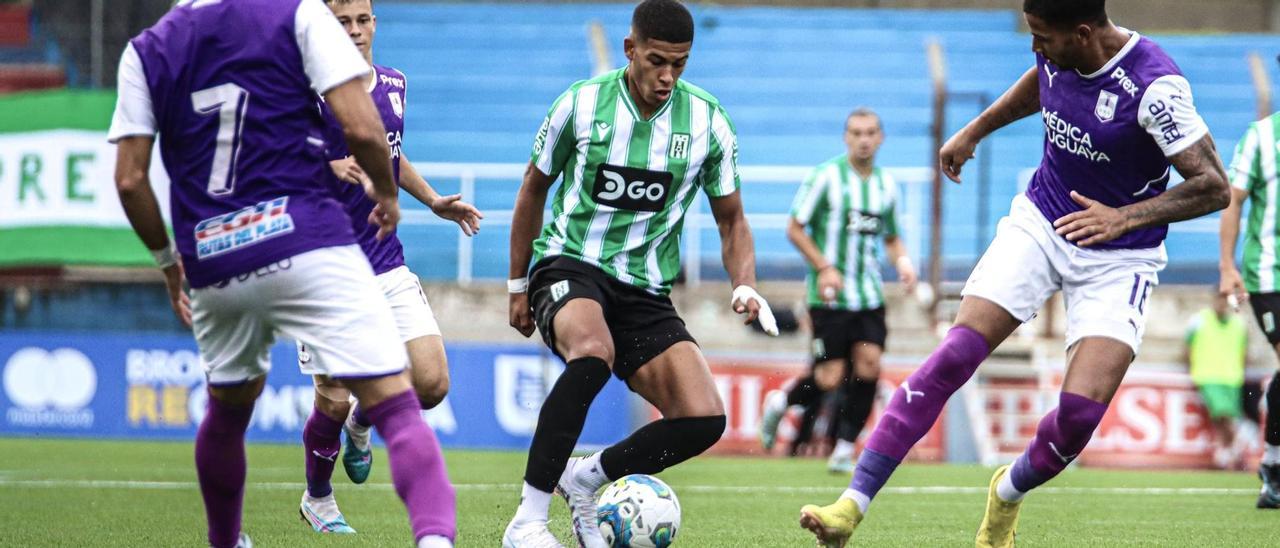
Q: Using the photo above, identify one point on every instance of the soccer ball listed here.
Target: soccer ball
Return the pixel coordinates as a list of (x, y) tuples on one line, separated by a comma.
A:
[(638, 511)]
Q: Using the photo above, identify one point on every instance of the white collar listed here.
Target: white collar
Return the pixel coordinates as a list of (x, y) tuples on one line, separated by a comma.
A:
[(1128, 46)]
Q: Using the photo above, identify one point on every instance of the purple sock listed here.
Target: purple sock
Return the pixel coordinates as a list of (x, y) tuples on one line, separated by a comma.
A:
[(417, 467), (1061, 436), (321, 440), (220, 466), (357, 414), (914, 408)]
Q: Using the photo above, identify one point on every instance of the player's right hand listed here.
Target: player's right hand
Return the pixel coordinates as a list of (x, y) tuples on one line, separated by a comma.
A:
[(385, 215), (953, 155), (521, 316), (830, 284), (178, 299), (1231, 284)]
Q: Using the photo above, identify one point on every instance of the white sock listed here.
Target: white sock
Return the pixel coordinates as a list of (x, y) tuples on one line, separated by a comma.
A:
[(434, 541), (590, 472), (843, 449), (1271, 455), (533, 504), (859, 499), (1006, 491)]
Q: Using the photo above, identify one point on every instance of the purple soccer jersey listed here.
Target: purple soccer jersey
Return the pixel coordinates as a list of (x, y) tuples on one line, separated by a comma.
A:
[(240, 137), (1108, 134), (388, 93)]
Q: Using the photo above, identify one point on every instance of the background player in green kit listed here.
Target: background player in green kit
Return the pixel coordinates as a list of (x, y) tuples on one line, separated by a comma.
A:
[(841, 212), (1253, 175), (635, 146)]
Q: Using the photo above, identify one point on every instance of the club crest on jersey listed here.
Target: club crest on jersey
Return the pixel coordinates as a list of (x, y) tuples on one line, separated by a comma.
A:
[(397, 104), (1106, 109), (240, 229), (679, 146)]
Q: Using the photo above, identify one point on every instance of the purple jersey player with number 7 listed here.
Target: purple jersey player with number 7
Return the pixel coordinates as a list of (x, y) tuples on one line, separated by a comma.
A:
[(268, 251), (1118, 114)]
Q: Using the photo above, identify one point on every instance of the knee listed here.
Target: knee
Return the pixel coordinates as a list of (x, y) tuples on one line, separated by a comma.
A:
[(827, 375), (432, 392), (867, 370), (334, 409), (591, 347)]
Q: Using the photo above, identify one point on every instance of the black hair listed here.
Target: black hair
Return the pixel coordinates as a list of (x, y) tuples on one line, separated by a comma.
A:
[(1063, 13), (665, 20)]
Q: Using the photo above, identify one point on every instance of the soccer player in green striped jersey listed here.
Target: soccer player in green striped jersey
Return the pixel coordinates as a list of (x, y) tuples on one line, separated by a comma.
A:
[(1254, 172), (842, 211), (635, 147)]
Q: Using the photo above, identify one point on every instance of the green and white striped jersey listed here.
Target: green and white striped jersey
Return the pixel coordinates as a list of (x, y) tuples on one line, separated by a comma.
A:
[(1253, 170), (847, 216), (628, 182)]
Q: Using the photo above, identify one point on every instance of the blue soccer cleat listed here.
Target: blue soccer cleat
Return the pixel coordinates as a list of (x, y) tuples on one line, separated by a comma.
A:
[(1269, 496), (357, 452)]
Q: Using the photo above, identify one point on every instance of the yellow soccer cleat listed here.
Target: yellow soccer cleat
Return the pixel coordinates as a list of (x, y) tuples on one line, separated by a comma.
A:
[(832, 524), (1000, 524)]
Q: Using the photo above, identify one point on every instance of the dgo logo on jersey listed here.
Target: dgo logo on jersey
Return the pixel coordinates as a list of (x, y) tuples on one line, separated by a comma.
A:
[(862, 222), (631, 189), (240, 229)]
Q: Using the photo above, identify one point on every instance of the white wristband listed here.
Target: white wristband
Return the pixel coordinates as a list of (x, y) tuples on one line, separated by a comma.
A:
[(166, 257), (744, 293), (518, 285)]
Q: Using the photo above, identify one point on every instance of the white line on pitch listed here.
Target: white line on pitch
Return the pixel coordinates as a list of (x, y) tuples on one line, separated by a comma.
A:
[(934, 490)]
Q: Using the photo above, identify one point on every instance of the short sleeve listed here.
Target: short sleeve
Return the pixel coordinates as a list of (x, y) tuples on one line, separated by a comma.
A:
[(811, 196), (555, 141), (1169, 115), (328, 56), (1246, 164), (719, 175), (890, 213), (134, 114)]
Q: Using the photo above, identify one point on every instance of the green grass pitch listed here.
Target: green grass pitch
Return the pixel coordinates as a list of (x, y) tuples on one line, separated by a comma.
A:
[(95, 493)]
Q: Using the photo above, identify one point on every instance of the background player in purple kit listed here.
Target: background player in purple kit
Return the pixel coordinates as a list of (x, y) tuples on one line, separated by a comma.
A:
[(416, 325), (265, 247), (1117, 112)]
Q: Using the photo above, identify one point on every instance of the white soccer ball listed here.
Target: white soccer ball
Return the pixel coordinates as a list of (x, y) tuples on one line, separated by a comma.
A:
[(638, 511)]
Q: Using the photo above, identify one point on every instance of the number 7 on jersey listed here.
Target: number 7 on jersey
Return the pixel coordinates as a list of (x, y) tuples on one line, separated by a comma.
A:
[(230, 102)]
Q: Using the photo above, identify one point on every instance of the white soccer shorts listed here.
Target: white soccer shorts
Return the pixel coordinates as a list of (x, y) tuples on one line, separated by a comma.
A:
[(1106, 291), (409, 305), (327, 297)]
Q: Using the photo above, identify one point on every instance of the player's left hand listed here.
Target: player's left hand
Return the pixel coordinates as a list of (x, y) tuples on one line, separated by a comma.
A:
[(1096, 224), (385, 215), (178, 299), (747, 301), (454, 209)]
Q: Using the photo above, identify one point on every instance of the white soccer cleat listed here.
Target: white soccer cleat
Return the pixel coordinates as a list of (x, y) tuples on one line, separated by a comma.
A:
[(582, 505), (245, 541), (775, 406), (322, 514), (529, 534)]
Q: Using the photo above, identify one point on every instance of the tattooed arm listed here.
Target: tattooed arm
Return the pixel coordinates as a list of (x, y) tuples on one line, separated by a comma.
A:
[(1203, 191), (1022, 99)]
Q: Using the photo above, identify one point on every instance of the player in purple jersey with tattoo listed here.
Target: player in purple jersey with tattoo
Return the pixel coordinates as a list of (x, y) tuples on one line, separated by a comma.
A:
[(1117, 114), (415, 323), (266, 248)]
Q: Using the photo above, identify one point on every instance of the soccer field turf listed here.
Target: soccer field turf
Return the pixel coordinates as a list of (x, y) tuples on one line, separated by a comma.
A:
[(95, 493)]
